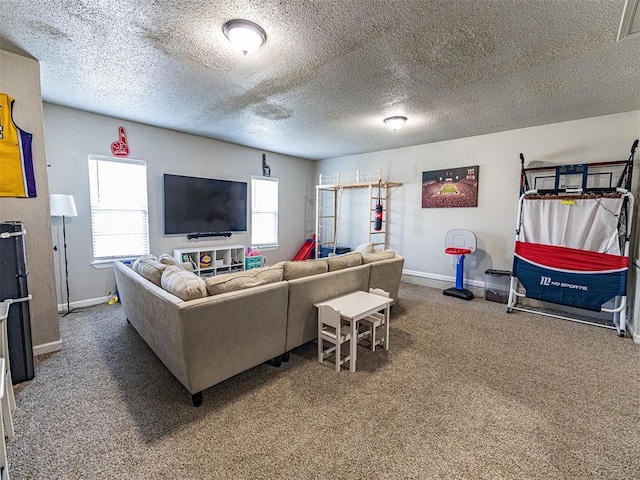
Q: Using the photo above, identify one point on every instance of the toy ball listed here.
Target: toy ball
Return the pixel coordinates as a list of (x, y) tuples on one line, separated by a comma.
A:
[(205, 261)]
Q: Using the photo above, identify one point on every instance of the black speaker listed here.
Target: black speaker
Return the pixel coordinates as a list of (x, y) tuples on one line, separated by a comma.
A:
[(13, 285)]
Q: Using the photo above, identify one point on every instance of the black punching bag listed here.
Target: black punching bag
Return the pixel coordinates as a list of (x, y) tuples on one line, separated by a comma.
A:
[(378, 218)]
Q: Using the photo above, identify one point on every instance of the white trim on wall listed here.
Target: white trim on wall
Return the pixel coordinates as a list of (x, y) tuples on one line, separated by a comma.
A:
[(443, 278), (47, 348), (90, 302)]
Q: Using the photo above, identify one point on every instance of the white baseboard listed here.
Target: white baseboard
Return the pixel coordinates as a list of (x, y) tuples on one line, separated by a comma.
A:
[(47, 348), (442, 282), (442, 278), (84, 303)]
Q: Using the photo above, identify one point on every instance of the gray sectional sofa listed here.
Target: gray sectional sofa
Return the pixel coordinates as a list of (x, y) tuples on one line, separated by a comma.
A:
[(206, 331)]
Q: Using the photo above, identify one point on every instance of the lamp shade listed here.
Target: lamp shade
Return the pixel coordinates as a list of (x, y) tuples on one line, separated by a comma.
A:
[(62, 205)]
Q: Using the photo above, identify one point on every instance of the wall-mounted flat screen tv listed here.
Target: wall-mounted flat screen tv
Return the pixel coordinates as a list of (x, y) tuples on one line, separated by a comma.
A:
[(202, 205)]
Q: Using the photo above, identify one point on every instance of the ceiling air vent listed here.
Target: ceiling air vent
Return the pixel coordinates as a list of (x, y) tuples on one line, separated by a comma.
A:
[(630, 22)]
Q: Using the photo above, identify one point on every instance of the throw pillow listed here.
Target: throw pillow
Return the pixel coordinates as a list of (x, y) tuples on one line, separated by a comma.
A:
[(231, 282), (169, 260), (183, 284), (365, 248), (347, 260), (187, 266), (135, 265), (151, 270), (376, 257), (306, 268)]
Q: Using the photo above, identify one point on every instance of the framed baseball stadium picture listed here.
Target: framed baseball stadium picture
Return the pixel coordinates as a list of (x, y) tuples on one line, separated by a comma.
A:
[(452, 187)]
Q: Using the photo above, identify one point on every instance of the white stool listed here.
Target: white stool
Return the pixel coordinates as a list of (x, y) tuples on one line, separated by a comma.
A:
[(330, 328), (372, 322)]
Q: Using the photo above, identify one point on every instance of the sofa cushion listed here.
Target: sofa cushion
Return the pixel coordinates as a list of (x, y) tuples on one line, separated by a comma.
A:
[(151, 270), (167, 259), (376, 257), (182, 283), (231, 282), (136, 264), (347, 260), (293, 270)]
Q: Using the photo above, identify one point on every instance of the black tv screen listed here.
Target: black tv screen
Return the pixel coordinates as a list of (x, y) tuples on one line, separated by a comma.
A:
[(203, 205)]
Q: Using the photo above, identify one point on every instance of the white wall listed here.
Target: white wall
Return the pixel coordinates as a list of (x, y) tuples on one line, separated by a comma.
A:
[(72, 135), (20, 78), (418, 234)]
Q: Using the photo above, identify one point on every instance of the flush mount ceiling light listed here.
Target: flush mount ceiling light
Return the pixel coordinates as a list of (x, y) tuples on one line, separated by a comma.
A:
[(244, 35), (395, 123)]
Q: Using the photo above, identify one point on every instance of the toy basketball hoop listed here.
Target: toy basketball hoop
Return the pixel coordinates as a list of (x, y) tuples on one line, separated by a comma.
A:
[(457, 251), (463, 242)]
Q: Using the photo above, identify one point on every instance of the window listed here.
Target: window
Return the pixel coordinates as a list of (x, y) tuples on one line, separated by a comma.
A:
[(264, 211), (119, 216)]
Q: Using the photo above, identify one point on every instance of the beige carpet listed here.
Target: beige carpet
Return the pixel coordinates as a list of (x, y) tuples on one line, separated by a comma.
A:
[(466, 391)]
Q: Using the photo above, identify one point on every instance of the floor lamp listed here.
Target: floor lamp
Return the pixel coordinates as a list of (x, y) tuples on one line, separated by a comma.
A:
[(63, 206)]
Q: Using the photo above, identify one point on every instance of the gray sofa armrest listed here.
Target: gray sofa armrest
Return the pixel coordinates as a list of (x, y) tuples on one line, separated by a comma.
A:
[(386, 274), (154, 314)]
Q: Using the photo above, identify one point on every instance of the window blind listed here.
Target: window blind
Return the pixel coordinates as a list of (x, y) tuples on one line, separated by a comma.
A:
[(119, 213), (264, 211)]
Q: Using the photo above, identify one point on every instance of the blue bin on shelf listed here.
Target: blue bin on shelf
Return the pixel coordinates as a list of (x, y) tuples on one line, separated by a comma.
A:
[(252, 262)]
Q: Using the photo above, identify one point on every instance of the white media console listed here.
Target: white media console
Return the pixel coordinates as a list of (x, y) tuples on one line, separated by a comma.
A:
[(223, 259)]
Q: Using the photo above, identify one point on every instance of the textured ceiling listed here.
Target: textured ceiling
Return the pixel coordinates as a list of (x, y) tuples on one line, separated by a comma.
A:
[(330, 71)]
